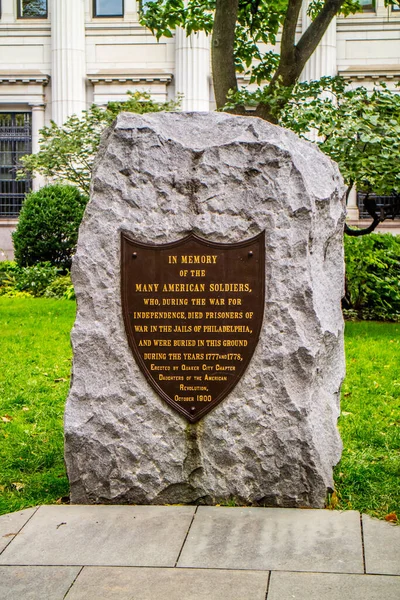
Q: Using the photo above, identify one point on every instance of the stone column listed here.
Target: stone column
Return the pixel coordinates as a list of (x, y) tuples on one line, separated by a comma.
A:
[(68, 59), (192, 74), (131, 8), (323, 60), (37, 125), (7, 11), (352, 208)]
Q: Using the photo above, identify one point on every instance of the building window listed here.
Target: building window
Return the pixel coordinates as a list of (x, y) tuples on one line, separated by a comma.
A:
[(367, 5), (32, 9), (108, 8), (15, 141)]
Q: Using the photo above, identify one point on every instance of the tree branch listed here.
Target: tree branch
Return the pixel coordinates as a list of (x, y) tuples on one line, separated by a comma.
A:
[(314, 33), (370, 206), (357, 232), (223, 61), (294, 57)]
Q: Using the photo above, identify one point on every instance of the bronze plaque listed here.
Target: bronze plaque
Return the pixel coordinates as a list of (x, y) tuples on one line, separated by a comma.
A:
[(193, 311)]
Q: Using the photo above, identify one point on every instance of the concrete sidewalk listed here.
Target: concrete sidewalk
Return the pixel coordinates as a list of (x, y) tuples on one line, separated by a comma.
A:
[(196, 553)]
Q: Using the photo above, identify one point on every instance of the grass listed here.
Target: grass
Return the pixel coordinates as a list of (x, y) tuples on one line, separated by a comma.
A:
[(35, 362), (368, 475)]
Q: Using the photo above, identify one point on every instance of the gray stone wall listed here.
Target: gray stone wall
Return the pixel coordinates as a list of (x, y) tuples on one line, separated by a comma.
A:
[(273, 440)]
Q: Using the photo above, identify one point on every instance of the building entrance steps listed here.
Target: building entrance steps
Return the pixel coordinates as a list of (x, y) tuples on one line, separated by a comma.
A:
[(101, 552)]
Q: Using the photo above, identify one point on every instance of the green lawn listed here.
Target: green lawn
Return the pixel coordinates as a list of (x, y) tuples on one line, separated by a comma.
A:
[(35, 364), (368, 476), (35, 361)]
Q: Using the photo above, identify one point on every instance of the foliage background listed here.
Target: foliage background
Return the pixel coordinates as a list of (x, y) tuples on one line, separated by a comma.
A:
[(67, 152), (357, 128), (372, 277)]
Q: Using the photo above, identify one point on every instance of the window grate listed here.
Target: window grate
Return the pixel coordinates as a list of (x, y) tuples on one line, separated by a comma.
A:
[(15, 141), (389, 203), (32, 9)]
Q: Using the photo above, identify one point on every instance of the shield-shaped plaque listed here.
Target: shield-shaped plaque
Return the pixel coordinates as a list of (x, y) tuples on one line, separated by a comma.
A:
[(193, 311)]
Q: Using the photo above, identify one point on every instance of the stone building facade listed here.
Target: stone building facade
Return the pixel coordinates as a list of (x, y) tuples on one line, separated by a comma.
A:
[(57, 57)]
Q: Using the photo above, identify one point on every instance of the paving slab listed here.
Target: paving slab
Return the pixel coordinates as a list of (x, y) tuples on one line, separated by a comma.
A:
[(11, 524), (101, 535), (127, 583), (274, 539), (381, 546), (36, 583), (323, 586)]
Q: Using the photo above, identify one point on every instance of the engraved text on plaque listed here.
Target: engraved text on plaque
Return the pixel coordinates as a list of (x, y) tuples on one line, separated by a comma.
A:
[(193, 311)]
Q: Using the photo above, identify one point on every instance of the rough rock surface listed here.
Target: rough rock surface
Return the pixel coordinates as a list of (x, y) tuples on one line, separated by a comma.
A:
[(273, 440)]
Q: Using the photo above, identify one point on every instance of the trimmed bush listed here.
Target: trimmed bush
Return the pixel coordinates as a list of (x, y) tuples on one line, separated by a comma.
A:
[(47, 229), (373, 277)]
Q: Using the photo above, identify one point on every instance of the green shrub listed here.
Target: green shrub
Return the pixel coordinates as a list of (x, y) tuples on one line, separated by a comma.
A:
[(47, 229), (69, 293), (13, 293), (8, 277), (36, 279), (59, 288), (7, 265), (39, 280), (373, 277), (8, 268)]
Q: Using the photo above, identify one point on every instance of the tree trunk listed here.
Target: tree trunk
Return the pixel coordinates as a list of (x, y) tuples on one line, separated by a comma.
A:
[(223, 61)]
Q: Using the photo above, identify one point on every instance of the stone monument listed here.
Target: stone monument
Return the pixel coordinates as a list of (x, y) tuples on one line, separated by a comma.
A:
[(208, 342)]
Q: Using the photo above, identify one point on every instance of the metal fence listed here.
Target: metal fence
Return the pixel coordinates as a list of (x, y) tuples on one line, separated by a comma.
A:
[(15, 141), (390, 204)]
